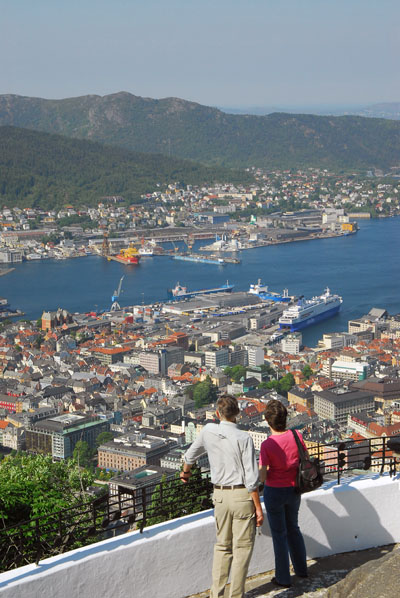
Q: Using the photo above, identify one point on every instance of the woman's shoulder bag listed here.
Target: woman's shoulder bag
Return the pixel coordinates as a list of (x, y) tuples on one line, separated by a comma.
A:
[(309, 476)]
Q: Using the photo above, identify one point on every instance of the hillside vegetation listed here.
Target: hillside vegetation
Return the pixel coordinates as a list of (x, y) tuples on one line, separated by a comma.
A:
[(188, 130), (44, 170)]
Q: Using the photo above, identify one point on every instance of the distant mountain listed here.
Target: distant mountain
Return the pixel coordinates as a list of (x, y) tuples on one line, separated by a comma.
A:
[(46, 170), (390, 110), (188, 130), (384, 110)]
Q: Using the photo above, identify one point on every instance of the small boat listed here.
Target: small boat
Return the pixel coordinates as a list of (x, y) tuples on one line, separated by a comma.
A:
[(261, 290)]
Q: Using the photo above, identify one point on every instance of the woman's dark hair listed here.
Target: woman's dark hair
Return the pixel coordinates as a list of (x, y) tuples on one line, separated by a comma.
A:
[(228, 407), (276, 413)]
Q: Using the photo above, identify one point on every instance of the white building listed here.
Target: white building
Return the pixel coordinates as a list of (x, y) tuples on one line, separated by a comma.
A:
[(350, 370), (291, 343), (334, 340), (255, 356)]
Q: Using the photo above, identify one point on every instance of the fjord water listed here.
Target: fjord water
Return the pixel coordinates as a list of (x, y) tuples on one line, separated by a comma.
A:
[(362, 268)]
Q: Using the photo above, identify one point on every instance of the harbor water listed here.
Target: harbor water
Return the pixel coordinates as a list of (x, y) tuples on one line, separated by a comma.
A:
[(362, 268)]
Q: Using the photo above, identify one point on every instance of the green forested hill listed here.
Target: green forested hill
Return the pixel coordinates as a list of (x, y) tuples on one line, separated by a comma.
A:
[(44, 170), (188, 130)]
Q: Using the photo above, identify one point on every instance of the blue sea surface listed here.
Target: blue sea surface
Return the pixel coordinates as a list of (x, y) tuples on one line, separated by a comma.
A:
[(363, 268)]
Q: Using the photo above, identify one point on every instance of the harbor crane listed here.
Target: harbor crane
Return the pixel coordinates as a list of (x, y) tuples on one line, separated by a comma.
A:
[(115, 305)]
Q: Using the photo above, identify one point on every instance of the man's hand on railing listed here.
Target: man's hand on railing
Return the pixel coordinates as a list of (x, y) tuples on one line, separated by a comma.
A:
[(184, 476)]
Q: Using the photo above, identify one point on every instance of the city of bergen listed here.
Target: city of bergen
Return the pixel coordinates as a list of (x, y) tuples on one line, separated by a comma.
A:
[(159, 254)]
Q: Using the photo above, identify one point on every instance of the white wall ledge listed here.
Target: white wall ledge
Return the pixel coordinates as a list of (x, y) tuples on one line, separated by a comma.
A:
[(173, 559)]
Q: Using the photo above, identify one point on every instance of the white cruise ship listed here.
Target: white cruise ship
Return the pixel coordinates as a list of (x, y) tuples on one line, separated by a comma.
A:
[(310, 311)]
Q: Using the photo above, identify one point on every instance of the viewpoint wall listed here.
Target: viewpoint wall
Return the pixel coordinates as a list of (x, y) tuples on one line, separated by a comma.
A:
[(173, 559)]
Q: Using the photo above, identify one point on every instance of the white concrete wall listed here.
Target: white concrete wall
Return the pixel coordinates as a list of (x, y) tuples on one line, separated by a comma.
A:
[(173, 559)]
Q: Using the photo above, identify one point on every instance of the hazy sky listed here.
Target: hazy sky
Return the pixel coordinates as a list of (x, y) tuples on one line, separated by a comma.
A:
[(216, 52)]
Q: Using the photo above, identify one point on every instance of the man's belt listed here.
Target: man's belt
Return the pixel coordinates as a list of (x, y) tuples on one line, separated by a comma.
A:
[(229, 487)]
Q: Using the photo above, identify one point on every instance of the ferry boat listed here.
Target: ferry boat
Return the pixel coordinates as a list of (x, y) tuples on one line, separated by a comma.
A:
[(261, 290), (310, 311), (147, 248), (33, 256), (146, 251), (181, 292)]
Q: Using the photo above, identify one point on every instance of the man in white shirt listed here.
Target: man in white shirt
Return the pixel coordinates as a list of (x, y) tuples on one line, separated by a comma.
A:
[(234, 473)]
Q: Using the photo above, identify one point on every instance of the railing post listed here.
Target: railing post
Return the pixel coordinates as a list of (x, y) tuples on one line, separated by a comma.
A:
[(94, 513), (383, 455), (37, 541), (144, 507)]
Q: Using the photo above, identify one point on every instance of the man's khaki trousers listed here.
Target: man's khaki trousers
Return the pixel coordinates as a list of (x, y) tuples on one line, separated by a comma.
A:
[(236, 526)]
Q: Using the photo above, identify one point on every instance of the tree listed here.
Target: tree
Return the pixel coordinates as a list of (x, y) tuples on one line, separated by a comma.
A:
[(238, 372), (282, 386), (204, 393), (104, 437), (32, 485), (273, 385), (267, 369), (83, 454), (286, 383), (307, 372)]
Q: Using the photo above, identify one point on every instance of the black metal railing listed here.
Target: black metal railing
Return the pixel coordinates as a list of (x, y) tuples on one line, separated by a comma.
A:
[(343, 458), (127, 508), (108, 515)]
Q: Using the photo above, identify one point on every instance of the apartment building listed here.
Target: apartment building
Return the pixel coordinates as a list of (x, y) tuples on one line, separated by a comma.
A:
[(130, 452), (337, 404), (255, 356), (57, 436), (215, 358)]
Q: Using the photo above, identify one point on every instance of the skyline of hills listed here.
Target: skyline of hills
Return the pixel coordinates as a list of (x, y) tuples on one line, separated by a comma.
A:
[(175, 127), (389, 110)]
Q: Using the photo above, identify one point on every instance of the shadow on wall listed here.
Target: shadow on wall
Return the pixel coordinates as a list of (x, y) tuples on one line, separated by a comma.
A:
[(345, 527), (350, 525)]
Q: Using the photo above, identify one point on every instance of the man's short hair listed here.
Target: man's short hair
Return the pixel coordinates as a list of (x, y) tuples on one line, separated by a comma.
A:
[(276, 413), (228, 407)]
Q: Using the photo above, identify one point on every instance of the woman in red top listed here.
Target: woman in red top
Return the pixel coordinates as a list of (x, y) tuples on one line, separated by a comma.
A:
[(279, 461)]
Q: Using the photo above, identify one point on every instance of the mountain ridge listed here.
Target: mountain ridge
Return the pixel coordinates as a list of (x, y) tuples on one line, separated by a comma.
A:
[(184, 129)]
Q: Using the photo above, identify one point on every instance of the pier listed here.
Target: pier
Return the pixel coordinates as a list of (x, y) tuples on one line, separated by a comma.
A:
[(4, 272), (205, 259)]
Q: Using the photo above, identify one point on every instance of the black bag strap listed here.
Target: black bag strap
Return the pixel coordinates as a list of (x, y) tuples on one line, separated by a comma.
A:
[(300, 447)]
